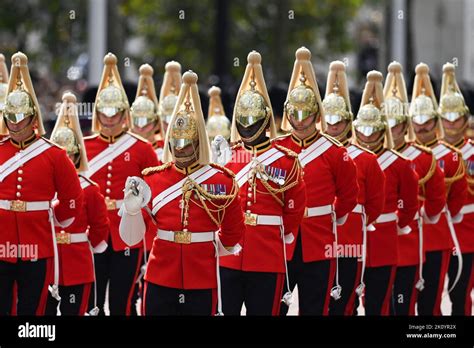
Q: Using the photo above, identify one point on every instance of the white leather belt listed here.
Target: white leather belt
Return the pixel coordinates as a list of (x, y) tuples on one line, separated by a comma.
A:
[(22, 206), (185, 237), (358, 209), (71, 238), (467, 209), (113, 204), (318, 211), (389, 217), (269, 220)]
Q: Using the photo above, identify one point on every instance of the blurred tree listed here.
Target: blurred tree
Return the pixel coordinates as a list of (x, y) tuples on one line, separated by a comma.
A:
[(188, 30), (52, 32)]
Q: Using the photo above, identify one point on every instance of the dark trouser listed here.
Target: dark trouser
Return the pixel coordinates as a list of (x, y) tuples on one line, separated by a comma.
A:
[(461, 294), (378, 289), (74, 300), (349, 279), (434, 272), (404, 291), (314, 280), (32, 279), (260, 291), (161, 300), (120, 269)]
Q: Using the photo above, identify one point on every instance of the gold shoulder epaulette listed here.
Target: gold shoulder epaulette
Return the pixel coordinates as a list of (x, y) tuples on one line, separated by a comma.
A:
[(332, 140), (92, 136), (451, 147), (137, 137), (224, 169), (89, 180), (400, 155), (51, 143), (286, 151), (152, 170), (363, 149), (423, 148)]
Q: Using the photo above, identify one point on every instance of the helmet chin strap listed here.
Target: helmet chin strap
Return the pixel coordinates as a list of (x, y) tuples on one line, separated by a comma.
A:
[(374, 146), (21, 131), (342, 137), (258, 133)]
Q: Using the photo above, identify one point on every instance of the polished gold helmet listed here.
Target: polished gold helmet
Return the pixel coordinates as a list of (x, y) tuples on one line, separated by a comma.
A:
[(336, 103), (217, 122), (252, 102), (303, 99), (21, 99), (451, 103), (370, 118), (111, 97), (187, 123), (144, 109), (169, 90), (423, 105), (67, 132), (3, 81)]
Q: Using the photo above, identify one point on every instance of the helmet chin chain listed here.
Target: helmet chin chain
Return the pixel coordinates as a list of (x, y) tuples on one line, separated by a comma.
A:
[(21, 131), (258, 133), (373, 146)]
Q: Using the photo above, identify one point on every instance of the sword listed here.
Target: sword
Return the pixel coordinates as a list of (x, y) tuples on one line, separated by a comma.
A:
[(456, 245)]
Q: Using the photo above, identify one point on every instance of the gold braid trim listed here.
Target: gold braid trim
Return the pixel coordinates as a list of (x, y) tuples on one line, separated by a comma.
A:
[(191, 186), (430, 173), (291, 181), (152, 170), (457, 176)]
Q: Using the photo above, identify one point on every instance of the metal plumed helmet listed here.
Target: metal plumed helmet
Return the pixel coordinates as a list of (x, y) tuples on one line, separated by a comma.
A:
[(217, 122)]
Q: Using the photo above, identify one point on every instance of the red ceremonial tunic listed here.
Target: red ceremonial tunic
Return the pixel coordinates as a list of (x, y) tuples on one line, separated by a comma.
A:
[(191, 266), (330, 178)]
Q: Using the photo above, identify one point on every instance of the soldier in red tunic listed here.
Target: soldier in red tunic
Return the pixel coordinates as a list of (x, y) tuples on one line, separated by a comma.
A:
[(352, 236), (76, 242), (39, 189), (273, 198), (454, 116), (331, 192), (198, 214), (144, 111), (115, 154), (441, 239), (431, 194), (401, 203)]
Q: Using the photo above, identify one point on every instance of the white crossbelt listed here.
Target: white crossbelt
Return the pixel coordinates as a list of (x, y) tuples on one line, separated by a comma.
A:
[(110, 153), (314, 151), (192, 237), (265, 159), (71, 238), (388, 217), (22, 206), (467, 209), (318, 211), (22, 157)]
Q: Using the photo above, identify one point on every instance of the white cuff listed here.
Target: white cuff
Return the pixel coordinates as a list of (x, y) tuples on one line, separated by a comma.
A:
[(222, 251), (342, 220), (64, 223), (289, 238), (430, 220), (457, 218), (403, 230), (100, 248)]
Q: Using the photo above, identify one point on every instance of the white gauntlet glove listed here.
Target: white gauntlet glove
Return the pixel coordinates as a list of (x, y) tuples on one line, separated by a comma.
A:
[(221, 152), (137, 194)]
